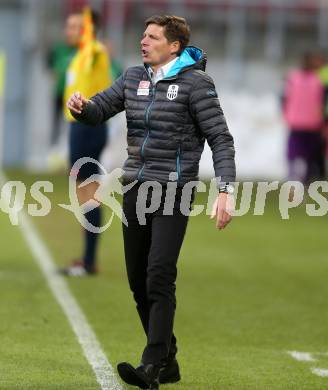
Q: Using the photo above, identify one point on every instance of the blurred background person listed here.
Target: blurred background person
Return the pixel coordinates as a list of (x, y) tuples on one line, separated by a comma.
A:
[(88, 73), (324, 78), (60, 57), (303, 109)]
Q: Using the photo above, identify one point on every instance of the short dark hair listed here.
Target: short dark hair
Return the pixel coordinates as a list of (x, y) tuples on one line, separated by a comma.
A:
[(175, 28)]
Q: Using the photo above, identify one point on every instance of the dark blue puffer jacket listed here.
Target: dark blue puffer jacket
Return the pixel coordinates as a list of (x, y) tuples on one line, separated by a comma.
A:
[(168, 124)]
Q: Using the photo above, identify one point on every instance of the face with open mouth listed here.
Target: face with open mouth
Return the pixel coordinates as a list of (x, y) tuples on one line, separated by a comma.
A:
[(156, 50)]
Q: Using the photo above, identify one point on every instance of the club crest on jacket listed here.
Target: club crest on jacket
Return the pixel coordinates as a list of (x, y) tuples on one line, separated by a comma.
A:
[(172, 91)]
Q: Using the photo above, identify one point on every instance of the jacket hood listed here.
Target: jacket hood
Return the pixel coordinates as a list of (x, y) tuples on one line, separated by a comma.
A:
[(191, 57)]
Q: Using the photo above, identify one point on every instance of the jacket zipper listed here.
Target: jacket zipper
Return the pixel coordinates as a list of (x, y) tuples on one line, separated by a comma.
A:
[(178, 163), (148, 133)]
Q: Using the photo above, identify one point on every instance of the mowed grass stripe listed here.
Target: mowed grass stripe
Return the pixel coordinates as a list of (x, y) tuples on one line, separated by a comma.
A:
[(37, 347), (57, 284)]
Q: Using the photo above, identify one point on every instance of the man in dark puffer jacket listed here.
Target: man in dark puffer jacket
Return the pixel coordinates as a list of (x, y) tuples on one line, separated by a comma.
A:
[(171, 108)]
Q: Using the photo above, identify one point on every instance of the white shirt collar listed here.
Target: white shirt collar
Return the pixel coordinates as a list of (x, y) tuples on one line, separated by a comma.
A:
[(162, 71)]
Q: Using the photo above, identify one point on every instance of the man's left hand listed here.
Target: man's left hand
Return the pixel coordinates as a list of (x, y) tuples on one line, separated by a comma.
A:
[(222, 209)]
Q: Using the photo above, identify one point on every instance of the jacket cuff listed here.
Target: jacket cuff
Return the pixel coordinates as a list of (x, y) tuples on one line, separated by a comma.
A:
[(223, 181)]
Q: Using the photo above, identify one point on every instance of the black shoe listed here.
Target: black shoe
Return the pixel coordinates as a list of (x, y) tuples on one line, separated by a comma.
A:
[(144, 376), (170, 372)]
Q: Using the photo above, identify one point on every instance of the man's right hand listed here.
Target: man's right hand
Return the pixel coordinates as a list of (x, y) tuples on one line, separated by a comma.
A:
[(76, 103)]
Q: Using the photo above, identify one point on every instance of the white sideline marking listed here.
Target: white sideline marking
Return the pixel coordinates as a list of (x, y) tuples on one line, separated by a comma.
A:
[(302, 356), (320, 372), (86, 337), (307, 357)]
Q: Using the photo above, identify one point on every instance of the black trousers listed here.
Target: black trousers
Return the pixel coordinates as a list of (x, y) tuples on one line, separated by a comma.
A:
[(151, 254)]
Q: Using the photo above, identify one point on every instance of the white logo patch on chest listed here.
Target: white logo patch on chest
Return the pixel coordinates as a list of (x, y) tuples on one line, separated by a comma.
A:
[(172, 91), (143, 88)]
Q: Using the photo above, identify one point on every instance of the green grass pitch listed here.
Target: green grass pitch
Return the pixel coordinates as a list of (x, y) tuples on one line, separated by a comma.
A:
[(246, 296)]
